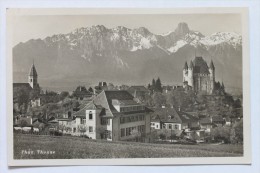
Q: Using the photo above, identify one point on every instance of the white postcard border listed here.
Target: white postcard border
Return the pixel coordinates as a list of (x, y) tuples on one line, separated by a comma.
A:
[(245, 159)]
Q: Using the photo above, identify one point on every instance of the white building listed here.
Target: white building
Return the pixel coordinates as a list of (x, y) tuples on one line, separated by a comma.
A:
[(115, 115)]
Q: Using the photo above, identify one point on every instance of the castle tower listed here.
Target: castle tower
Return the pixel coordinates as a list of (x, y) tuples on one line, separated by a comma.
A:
[(33, 77), (190, 74), (185, 72), (212, 76)]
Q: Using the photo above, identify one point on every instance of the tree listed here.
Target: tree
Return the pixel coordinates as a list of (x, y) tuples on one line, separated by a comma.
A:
[(237, 132), (159, 99), (83, 129), (34, 93), (76, 104), (111, 86), (149, 86), (23, 123), (221, 134), (153, 83), (21, 96), (237, 103), (91, 90), (135, 134), (158, 85), (152, 87), (63, 95)]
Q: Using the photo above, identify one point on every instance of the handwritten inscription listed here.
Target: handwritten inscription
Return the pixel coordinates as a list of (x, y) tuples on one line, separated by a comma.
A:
[(41, 152)]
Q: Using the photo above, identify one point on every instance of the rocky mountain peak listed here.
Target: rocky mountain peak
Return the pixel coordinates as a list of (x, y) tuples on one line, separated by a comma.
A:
[(143, 31), (182, 29)]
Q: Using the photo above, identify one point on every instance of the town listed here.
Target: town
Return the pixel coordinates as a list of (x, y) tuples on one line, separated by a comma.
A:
[(197, 111)]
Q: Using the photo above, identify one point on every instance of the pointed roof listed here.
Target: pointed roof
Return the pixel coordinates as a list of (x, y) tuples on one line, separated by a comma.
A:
[(33, 71), (191, 65), (200, 66), (212, 65), (89, 106), (185, 65)]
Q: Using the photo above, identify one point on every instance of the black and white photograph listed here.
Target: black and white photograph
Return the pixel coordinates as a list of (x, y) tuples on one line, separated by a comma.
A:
[(106, 85)]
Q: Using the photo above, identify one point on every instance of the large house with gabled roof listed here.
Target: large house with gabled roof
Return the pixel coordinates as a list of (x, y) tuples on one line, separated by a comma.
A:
[(170, 118), (115, 116)]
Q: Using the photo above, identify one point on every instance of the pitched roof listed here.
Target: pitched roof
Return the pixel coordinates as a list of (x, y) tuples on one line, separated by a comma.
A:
[(187, 118), (125, 102), (105, 100), (33, 71), (18, 85), (138, 88), (200, 66), (89, 106), (119, 95), (165, 115)]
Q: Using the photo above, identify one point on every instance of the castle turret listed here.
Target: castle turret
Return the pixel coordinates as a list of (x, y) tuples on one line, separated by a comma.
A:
[(185, 71), (212, 76), (33, 77), (190, 74)]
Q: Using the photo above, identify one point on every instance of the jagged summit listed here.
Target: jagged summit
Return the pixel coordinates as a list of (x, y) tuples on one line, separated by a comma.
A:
[(182, 29), (126, 52)]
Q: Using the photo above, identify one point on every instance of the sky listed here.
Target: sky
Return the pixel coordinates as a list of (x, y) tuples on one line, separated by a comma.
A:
[(40, 26)]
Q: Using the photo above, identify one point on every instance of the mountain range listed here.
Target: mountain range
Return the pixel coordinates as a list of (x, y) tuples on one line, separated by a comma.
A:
[(121, 55)]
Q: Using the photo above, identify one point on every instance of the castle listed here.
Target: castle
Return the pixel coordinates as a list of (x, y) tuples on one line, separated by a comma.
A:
[(199, 76)]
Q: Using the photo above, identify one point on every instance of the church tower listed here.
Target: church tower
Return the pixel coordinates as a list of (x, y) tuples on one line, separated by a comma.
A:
[(33, 77)]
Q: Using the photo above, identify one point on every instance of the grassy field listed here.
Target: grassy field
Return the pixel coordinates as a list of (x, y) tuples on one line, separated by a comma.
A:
[(75, 147)]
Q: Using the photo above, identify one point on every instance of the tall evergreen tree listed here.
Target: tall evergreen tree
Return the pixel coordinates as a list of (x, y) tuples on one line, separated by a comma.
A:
[(153, 83), (158, 85), (149, 86)]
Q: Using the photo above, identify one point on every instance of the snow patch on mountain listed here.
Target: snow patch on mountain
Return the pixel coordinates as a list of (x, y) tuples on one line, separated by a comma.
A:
[(145, 43), (177, 46), (231, 38)]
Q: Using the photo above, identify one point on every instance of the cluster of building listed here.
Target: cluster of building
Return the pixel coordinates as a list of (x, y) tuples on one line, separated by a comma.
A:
[(188, 124), (119, 115)]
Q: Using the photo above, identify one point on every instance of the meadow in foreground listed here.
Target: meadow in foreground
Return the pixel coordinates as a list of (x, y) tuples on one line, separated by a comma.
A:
[(82, 148)]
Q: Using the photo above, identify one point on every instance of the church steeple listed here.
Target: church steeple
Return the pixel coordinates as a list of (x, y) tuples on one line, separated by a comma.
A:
[(32, 78)]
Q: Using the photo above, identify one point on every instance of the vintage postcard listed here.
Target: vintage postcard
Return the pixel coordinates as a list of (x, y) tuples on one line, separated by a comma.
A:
[(128, 86)]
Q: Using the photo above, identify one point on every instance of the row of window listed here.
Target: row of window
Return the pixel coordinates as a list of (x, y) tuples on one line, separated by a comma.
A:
[(130, 130), (131, 108), (133, 118), (170, 126)]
